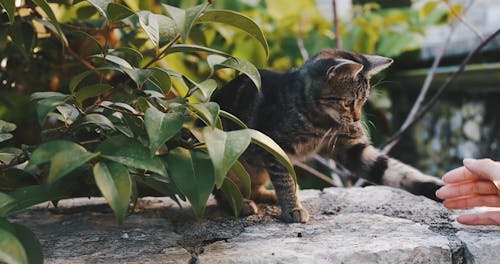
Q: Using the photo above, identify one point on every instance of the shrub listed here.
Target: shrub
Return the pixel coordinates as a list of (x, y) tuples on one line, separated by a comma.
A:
[(114, 119)]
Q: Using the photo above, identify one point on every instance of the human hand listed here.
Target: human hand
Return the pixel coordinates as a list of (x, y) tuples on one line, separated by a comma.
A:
[(477, 183)]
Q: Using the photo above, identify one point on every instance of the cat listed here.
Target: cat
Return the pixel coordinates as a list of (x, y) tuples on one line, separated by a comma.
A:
[(314, 110)]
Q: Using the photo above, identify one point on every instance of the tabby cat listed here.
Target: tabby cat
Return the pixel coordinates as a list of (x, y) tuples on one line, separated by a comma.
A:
[(315, 110)]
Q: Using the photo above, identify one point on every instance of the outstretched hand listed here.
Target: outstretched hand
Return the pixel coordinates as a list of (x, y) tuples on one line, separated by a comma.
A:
[(477, 183)]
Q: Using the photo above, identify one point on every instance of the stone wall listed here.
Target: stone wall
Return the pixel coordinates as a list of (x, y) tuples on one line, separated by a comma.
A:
[(358, 225)]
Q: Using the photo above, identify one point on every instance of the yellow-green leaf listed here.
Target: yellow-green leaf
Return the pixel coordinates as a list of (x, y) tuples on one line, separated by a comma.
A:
[(236, 20), (11, 249)]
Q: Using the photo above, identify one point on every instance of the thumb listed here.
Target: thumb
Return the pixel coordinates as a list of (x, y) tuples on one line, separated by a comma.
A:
[(486, 168)]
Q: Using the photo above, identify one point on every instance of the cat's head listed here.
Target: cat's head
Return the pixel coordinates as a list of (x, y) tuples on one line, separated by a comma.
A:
[(339, 81)]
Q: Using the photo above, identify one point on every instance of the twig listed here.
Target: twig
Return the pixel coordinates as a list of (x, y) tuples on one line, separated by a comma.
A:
[(338, 43), (389, 144), (75, 55), (302, 49), (467, 24), (161, 54), (91, 29), (449, 81), (314, 172)]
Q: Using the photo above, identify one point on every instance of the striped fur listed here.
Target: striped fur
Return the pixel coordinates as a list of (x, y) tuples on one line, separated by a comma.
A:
[(315, 110)]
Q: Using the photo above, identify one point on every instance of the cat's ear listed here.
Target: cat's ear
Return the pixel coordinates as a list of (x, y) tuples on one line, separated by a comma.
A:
[(345, 68), (377, 64)]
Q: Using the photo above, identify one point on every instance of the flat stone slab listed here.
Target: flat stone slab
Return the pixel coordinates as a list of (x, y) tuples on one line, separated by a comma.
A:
[(374, 224)]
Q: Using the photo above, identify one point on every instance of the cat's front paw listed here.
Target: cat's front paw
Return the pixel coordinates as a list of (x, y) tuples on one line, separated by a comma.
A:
[(249, 208), (426, 188), (296, 215)]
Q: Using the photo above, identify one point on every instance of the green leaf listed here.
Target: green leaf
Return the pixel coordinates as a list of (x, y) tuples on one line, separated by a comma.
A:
[(67, 160), (194, 48), (130, 153), (117, 12), (53, 24), (5, 137), (161, 80), (6, 127), (101, 6), (75, 81), (139, 76), (23, 36), (77, 155), (216, 61), (244, 179), (161, 127), (98, 120), (159, 28), (233, 195), (224, 148), (233, 118), (10, 8), (192, 174), (116, 60), (207, 87), (44, 95), (30, 243), (192, 14), (398, 42), (34, 194), (208, 112), (8, 154), (11, 249), (6, 203), (184, 19), (236, 20), (90, 91), (113, 180), (45, 106), (270, 146)]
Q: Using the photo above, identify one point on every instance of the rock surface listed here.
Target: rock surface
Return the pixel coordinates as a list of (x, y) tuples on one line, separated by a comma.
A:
[(356, 225)]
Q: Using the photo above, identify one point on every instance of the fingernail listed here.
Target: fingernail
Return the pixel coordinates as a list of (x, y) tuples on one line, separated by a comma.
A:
[(439, 192), (466, 219), (469, 161)]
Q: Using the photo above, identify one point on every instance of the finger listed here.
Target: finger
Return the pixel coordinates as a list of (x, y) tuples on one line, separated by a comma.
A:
[(486, 168), (488, 218), (472, 201), (466, 189), (460, 174)]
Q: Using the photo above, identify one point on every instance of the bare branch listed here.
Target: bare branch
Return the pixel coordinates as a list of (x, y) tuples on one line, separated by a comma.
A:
[(389, 144), (302, 49), (465, 22), (338, 43), (449, 81)]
